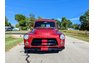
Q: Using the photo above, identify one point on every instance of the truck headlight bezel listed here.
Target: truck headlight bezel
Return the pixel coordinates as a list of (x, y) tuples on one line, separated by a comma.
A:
[(62, 37), (26, 37)]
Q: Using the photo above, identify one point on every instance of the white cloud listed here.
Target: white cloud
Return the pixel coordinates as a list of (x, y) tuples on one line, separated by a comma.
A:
[(73, 19), (59, 19)]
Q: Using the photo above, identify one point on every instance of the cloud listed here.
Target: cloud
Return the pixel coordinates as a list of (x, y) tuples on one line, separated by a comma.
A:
[(73, 19), (59, 19)]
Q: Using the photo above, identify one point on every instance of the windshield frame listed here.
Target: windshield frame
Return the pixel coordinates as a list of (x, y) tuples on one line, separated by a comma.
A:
[(45, 24)]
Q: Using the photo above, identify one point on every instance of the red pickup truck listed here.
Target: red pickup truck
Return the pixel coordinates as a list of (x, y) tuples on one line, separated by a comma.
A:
[(44, 37)]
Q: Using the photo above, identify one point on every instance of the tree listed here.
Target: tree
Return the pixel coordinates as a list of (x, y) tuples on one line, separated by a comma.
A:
[(58, 23), (21, 20), (69, 23), (6, 21), (17, 25), (65, 23), (75, 26), (10, 24), (19, 17), (30, 21), (84, 19)]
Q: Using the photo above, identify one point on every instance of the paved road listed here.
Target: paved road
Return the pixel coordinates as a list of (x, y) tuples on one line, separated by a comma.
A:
[(76, 51)]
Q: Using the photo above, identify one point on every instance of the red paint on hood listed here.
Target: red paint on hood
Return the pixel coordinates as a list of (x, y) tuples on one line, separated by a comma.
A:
[(45, 31)]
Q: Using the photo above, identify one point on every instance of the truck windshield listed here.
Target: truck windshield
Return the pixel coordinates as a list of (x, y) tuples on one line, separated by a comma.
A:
[(45, 24)]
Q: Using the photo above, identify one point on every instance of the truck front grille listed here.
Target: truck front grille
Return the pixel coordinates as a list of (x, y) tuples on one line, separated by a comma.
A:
[(38, 42)]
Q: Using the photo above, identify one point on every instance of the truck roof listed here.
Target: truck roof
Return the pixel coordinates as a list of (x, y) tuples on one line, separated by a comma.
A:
[(45, 20)]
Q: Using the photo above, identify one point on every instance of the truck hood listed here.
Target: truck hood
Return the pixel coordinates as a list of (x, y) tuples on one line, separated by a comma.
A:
[(45, 31)]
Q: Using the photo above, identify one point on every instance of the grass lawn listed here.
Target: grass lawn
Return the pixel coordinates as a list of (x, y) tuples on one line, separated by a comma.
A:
[(10, 42), (82, 35)]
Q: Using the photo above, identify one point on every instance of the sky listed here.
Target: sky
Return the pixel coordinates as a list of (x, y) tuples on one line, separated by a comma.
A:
[(71, 9)]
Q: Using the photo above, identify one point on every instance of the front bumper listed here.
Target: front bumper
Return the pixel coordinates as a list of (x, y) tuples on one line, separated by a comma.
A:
[(39, 49)]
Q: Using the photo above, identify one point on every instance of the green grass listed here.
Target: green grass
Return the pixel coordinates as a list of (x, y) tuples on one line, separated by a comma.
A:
[(11, 42), (82, 35), (16, 32)]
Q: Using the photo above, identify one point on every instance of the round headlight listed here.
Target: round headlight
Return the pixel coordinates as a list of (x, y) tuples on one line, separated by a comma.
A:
[(62, 36), (26, 36)]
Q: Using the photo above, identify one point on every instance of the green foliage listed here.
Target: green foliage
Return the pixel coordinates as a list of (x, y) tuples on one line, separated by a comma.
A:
[(25, 22), (17, 25), (19, 17), (75, 26), (82, 35), (21, 20), (84, 19), (22, 23), (11, 41), (7, 23), (65, 23), (30, 21), (58, 23), (24, 28), (10, 24), (69, 23)]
